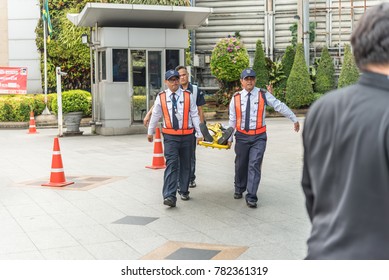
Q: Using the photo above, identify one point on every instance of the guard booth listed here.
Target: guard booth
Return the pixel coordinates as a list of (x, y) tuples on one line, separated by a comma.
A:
[(132, 46)]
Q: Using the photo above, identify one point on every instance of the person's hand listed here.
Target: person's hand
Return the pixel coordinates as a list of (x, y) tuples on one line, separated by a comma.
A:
[(269, 88), (229, 143), (150, 138), (296, 126), (198, 139), (146, 120)]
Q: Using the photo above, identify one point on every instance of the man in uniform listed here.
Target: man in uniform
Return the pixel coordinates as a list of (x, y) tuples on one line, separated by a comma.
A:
[(180, 118), (198, 98), (346, 154), (247, 116)]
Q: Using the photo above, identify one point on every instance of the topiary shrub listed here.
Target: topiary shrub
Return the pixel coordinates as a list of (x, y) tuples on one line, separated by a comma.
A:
[(259, 66), (299, 92), (325, 80), (287, 64), (229, 57), (74, 101), (349, 74)]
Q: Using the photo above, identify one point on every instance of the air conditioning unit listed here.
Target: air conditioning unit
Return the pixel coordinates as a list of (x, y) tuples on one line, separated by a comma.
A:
[(198, 60)]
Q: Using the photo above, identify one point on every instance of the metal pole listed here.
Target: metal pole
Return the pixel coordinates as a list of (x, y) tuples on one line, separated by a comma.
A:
[(306, 31), (90, 45), (300, 32), (46, 110), (271, 29), (59, 101), (266, 29)]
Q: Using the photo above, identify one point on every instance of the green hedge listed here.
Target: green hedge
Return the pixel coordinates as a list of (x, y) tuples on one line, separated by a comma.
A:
[(16, 108)]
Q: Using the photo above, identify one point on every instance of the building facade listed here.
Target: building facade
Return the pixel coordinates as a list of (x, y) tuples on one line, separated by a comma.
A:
[(18, 20), (270, 21)]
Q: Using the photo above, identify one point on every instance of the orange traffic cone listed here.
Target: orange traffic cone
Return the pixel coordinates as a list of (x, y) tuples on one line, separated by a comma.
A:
[(158, 159), (57, 177), (32, 127)]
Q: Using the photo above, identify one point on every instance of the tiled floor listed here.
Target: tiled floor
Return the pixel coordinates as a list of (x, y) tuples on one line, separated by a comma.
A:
[(114, 209)]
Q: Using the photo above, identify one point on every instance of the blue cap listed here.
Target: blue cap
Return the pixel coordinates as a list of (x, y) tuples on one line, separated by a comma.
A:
[(170, 74), (248, 72)]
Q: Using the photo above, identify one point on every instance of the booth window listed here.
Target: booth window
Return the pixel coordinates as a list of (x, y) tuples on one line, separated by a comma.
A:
[(120, 65), (172, 59)]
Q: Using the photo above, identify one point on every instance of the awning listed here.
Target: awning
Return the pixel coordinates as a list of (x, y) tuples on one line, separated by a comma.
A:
[(146, 16)]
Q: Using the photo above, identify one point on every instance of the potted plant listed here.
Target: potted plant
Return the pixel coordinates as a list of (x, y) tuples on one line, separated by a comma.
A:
[(75, 105), (229, 57)]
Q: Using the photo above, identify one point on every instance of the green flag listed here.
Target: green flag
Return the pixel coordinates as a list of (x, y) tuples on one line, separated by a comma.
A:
[(46, 18)]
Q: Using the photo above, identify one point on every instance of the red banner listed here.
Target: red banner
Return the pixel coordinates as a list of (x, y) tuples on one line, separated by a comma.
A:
[(13, 80)]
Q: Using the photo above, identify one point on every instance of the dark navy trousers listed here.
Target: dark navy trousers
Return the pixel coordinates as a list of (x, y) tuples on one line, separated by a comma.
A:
[(249, 150), (178, 153), (193, 160)]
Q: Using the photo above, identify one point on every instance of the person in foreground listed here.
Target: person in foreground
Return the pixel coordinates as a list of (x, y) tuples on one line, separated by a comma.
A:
[(346, 154), (180, 119), (247, 116)]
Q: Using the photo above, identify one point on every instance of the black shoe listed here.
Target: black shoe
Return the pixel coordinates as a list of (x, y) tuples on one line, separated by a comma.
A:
[(169, 202), (238, 195), (204, 131), (192, 184), (185, 196), (251, 204), (225, 136)]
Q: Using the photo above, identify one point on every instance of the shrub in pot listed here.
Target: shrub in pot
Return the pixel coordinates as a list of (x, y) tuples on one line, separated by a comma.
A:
[(75, 104)]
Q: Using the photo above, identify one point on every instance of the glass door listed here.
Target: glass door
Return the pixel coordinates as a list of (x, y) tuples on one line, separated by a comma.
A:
[(155, 80), (138, 85)]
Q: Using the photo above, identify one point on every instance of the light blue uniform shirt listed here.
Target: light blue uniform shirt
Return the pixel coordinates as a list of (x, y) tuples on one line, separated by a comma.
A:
[(194, 119), (270, 101)]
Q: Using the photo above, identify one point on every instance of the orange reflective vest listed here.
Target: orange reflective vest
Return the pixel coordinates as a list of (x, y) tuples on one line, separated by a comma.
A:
[(238, 110), (168, 129)]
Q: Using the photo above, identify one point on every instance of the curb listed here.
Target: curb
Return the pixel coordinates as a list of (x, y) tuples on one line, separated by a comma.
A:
[(21, 125)]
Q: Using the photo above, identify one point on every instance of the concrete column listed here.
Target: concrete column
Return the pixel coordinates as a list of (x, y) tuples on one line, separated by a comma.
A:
[(3, 33)]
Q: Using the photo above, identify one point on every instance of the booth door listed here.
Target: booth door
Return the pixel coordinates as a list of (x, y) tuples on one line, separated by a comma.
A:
[(155, 81), (145, 81)]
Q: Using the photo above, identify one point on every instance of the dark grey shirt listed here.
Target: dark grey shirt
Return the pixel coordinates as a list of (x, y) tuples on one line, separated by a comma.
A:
[(346, 171)]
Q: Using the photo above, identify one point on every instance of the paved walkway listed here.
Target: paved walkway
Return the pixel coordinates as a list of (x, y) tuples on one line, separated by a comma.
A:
[(114, 210)]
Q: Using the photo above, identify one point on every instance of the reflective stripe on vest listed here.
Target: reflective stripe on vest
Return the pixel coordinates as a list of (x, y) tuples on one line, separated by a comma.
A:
[(261, 107), (168, 129)]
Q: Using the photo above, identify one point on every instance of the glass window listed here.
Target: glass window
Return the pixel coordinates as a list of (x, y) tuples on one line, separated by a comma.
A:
[(103, 66), (138, 79), (138, 68), (172, 59), (120, 65), (155, 69)]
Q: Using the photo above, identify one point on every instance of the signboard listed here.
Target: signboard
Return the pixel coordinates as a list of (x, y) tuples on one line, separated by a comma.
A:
[(13, 80)]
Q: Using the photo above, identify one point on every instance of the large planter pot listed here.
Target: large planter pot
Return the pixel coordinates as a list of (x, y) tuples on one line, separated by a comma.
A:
[(72, 122)]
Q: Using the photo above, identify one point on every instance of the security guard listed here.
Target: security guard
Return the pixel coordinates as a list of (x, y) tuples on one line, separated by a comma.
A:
[(180, 118), (247, 115), (198, 98)]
